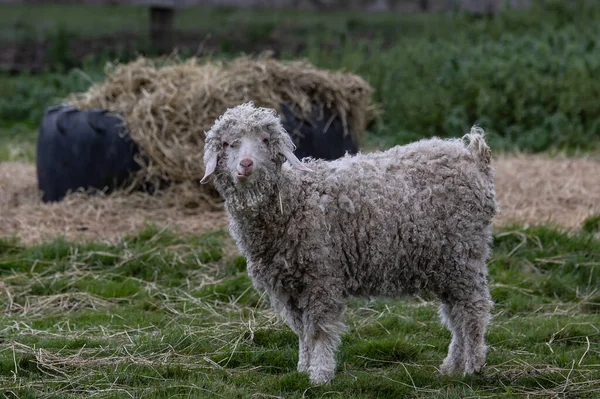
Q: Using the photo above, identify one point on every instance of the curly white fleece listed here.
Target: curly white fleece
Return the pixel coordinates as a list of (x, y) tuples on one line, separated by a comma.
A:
[(410, 219)]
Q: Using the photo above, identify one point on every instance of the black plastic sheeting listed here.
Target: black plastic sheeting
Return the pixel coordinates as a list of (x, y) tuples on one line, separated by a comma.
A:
[(82, 149), (323, 137), (90, 149)]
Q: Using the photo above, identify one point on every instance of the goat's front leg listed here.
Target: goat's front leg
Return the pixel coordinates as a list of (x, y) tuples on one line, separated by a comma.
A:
[(303, 354), (322, 331), (293, 318)]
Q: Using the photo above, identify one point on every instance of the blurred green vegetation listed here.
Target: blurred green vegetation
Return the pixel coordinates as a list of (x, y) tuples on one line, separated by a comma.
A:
[(528, 78)]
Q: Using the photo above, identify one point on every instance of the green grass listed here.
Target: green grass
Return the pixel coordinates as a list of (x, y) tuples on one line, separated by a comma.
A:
[(23, 102), (17, 143), (158, 315)]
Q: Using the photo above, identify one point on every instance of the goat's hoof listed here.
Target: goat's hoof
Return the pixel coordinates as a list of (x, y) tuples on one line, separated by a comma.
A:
[(302, 367), (450, 367), (474, 366), (320, 377)]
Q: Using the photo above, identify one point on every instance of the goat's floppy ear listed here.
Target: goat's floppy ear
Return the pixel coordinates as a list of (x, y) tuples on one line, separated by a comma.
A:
[(210, 164), (209, 169), (285, 147), (294, 161)]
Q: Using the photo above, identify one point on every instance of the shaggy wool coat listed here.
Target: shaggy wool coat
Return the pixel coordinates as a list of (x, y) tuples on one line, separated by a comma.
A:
[(410, 219)]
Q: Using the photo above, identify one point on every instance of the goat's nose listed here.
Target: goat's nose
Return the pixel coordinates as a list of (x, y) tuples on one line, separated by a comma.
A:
[(246, 163)]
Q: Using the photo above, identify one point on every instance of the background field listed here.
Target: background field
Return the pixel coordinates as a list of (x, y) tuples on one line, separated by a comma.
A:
[(116, 299), (527, 78)]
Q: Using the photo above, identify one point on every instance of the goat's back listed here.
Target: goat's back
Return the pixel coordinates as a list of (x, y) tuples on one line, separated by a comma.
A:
[(393, 218)]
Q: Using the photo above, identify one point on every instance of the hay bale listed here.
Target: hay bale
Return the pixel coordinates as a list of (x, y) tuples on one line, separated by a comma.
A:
[(167, 105)]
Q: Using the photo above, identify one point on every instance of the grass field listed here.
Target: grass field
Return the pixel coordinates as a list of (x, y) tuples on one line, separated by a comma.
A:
[(161, 316), (168, 311)]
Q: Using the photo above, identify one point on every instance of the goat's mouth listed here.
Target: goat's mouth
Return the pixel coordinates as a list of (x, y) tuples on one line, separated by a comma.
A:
[(243, 176)]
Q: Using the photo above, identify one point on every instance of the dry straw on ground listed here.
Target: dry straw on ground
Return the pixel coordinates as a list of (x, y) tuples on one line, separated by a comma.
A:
[(167, 105), (531, 190), (538, 189), (81, 217)]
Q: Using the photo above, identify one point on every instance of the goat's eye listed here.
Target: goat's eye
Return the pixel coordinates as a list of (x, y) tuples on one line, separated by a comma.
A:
[(225, 144), (266, 141)]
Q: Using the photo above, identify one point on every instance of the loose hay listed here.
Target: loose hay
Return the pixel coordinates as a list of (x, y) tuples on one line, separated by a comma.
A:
[(531, 190), (167, 105), (82, 217)]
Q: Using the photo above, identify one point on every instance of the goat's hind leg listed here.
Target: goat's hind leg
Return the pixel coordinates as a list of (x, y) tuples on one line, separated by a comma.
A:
[(467, 319), (477, 314), (454, 361)]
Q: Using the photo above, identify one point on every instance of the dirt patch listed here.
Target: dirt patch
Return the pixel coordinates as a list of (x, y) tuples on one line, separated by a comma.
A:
[(531, 190)]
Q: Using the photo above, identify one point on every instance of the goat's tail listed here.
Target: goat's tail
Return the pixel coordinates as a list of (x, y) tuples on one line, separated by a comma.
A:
[(479, 148)]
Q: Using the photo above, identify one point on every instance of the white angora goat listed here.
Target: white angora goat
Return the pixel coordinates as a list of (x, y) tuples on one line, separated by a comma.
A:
[(410, 219)]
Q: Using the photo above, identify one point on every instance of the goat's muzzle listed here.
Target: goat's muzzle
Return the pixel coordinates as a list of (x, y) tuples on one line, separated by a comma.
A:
[(245, 168)]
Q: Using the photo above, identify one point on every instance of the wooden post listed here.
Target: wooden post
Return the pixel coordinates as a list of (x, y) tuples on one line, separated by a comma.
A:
[(162, 30)]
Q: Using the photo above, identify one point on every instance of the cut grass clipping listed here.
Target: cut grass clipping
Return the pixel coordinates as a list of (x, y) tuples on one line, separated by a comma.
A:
[(157, 315), (167, 104)]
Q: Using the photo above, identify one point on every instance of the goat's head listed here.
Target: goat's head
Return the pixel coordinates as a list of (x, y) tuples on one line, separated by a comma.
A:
[(247, 144)]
